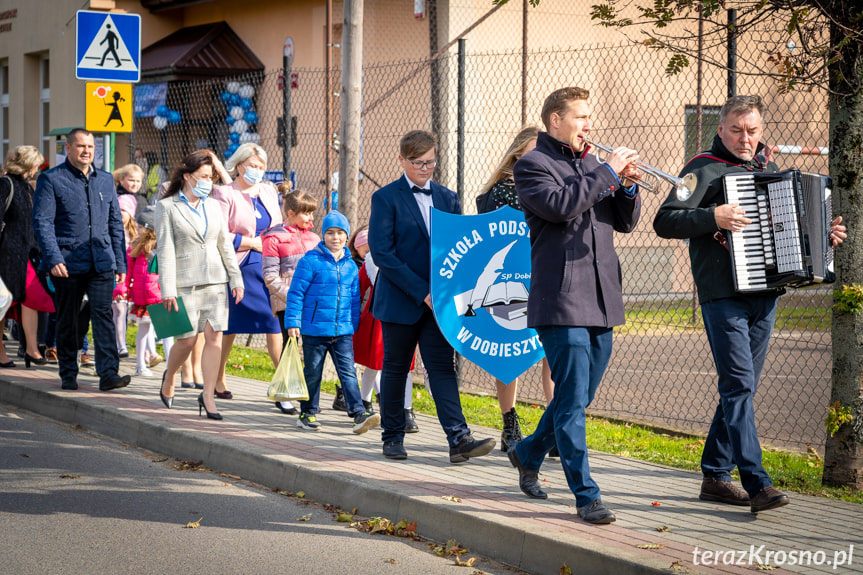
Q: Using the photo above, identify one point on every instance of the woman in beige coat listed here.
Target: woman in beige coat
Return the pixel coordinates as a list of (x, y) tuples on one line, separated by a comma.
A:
[(196, 262)]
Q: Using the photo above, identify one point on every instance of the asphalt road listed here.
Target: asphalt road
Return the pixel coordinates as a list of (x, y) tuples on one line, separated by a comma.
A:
[(74, 502)]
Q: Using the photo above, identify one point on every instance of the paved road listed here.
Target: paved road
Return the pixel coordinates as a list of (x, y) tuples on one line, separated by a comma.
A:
[(122, 510)]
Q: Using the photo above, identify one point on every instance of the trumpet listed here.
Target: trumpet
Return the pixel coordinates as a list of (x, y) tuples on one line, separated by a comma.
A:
[(653, 177)]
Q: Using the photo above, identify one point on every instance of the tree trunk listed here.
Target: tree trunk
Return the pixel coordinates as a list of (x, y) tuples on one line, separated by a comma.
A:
[(351, 97), (843, 463)]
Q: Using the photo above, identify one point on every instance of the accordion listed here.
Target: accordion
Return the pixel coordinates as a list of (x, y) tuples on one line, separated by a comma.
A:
[(788, 241)]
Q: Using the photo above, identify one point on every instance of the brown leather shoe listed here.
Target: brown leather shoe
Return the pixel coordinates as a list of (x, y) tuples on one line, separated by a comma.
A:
[(713, 489), (768, 498), (51, 354)]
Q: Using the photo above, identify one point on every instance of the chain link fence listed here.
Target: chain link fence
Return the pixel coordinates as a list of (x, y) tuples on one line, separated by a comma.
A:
[(661, 372)]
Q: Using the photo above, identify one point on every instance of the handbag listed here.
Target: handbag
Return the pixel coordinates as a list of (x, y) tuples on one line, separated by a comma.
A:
[(5, 294), (288, 381), (5, 299)]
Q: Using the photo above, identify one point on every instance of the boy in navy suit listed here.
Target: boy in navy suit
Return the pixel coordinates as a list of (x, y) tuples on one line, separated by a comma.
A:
[(399, 243)]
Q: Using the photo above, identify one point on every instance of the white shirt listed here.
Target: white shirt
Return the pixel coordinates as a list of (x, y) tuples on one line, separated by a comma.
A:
[(424, 201)]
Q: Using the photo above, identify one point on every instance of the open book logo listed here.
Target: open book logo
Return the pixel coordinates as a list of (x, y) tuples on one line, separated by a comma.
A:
[(480, 286), (505, 300)]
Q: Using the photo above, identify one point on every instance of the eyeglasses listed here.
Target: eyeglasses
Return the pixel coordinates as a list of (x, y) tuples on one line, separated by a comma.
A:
[(423, 165)]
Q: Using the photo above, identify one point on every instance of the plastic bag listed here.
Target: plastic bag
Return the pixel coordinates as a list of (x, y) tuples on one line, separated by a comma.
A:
[(5, 299), (288, 381)]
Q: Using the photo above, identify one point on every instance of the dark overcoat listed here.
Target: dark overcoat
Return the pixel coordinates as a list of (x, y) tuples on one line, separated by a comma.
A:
[(18, 243), (573, 204)]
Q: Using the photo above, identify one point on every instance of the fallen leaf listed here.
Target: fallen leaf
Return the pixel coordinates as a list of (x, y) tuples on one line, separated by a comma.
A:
[(193, 524), (656, 503), (412, 527), (391, 560), (663, 529), (469, 562), (379, 524), (238, 367), (301, 494), (345, 518), (624, 453), (565, 570), (761, 567), (451, 498), (69, 476), (677, 566), (305, 517), (231, 476), (651, 546), (23, 455)]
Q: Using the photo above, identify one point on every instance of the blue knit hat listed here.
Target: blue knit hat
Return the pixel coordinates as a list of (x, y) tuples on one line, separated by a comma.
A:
[(336, 219)]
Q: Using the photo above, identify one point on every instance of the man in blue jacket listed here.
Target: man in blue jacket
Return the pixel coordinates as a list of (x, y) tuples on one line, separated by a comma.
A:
[(78, 225), (399, 243), (573, 204)]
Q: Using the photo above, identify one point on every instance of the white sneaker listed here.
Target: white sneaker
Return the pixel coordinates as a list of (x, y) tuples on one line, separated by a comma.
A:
[(145, 372)]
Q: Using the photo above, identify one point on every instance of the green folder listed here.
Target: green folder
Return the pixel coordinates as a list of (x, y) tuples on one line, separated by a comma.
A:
[(169, 323)]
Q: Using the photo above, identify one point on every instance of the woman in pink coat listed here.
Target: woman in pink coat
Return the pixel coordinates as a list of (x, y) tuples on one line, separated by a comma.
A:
[(250, 205)]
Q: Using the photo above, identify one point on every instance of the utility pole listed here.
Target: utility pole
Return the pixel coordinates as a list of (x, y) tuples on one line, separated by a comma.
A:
[(351, 101)]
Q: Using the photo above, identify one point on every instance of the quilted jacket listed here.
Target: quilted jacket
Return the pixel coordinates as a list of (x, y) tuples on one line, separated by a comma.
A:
[(324, 297), (284, 246)]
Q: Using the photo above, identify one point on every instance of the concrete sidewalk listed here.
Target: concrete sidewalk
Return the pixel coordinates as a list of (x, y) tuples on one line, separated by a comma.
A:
[(656, 506)]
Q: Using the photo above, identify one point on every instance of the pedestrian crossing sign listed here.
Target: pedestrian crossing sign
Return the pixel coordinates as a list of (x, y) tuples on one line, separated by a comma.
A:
[(108, 107), (108, 47)]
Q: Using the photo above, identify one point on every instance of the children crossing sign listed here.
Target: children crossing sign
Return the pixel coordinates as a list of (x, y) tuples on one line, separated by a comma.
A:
[(108, 47), (108, 107)]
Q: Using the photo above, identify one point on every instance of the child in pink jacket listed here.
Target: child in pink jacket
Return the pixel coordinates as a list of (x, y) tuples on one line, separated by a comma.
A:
[(282, 247), (143, 288)]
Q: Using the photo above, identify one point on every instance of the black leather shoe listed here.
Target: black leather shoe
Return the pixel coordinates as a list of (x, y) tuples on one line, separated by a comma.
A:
[(767, 499), (528, 480), (339, 403), (395, 450), (114, 382), (287, 410), (410, 423), (70, 384), (597, 513), (713, 489), (469, 447)]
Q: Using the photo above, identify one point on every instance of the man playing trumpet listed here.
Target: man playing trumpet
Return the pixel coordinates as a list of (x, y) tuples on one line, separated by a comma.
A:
[(573, 204), (738, 325)]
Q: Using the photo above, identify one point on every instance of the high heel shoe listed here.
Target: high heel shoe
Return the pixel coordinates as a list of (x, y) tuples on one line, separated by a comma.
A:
[(168, 401), (210, 414), (9, 363), (37, 360)]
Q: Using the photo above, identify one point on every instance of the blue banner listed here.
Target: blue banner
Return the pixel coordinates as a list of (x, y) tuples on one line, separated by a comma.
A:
[(479, 287)]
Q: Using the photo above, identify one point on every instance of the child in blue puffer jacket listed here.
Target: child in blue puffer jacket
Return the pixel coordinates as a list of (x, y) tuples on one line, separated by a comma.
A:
[(323, 305)]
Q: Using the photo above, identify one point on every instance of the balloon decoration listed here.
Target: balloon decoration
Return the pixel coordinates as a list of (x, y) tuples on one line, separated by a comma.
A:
[(165, 116), (241, 115), (239, 126)]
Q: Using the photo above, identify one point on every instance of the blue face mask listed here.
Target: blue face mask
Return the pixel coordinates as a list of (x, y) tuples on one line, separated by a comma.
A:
[(202, 188), (253, 176)]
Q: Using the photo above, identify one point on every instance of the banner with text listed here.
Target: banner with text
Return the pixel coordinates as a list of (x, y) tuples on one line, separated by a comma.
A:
[(480, 279)]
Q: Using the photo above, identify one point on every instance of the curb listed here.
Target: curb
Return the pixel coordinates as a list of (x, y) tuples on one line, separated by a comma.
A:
[(500, 538)]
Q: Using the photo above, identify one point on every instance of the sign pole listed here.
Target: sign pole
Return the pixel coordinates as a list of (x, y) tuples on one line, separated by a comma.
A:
[(287, 60)]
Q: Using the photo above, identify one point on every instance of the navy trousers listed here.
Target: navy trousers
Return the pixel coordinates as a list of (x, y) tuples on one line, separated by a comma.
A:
[(68, 297), (400, 342), (577, 357), (738, 330)]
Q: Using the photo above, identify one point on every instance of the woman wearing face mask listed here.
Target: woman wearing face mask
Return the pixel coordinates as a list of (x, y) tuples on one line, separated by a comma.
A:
[(196, 262), (250, 205)]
